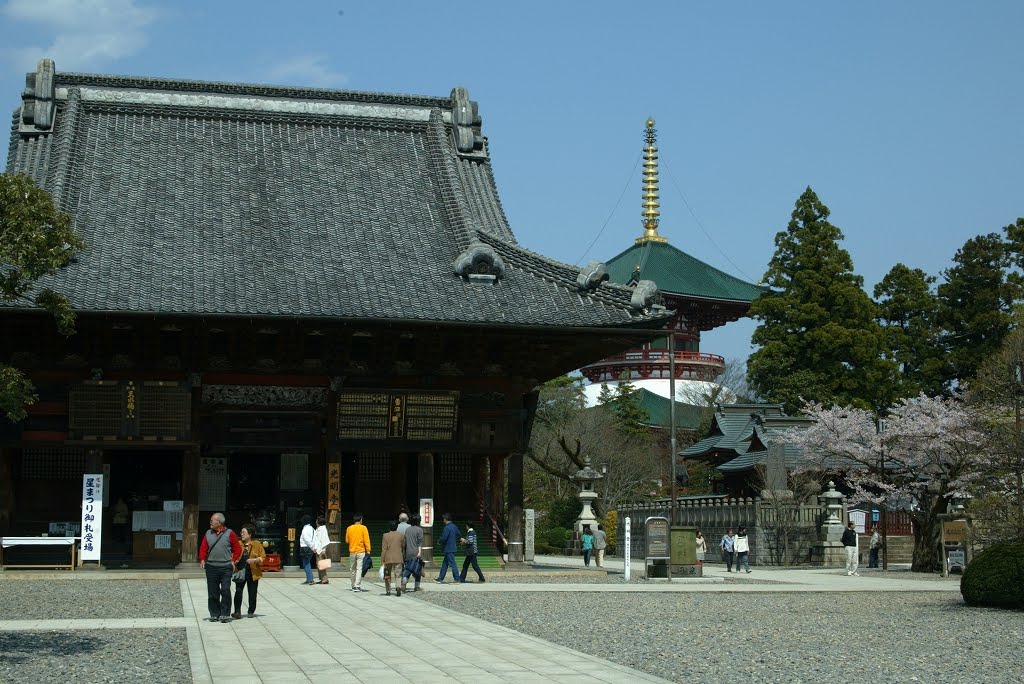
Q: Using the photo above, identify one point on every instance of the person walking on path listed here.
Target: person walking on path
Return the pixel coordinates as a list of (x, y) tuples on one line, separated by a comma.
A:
[(321, 541), (469, 541), (600, 544), (728, 545), (413, 553), (448, 541), (218, 553), (850, 544), (874, 546), (253, 554), (358, 539), (392, 552), (702, 548), (587, 544), (306, 545), (742, 546), (403, 522)]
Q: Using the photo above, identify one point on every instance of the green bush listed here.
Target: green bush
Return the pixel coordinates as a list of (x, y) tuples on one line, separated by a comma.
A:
[(995, 577), (554, 536), (563, 513)]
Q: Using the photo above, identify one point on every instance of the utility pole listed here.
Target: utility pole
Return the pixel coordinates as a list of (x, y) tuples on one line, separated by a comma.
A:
[(672, 417), (885, 512)]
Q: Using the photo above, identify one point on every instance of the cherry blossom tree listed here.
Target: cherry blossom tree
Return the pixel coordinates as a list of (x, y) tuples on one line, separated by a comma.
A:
[(930, 449)]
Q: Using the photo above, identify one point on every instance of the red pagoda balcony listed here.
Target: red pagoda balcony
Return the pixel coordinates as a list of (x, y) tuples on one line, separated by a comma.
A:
[(655, 364)]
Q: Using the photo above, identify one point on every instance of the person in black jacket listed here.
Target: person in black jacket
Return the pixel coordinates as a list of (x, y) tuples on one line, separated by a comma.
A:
[(850, 543)]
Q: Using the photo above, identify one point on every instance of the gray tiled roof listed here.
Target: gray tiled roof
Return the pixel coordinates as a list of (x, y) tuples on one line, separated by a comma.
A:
[(215, 198)]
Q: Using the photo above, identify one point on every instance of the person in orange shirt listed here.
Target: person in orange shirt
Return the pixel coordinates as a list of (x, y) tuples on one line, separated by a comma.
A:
[(358, 539)]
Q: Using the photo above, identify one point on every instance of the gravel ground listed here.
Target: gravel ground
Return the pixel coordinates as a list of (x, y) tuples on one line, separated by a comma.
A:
[(754, 638), (57, 599), (99, 655), (544, 577)]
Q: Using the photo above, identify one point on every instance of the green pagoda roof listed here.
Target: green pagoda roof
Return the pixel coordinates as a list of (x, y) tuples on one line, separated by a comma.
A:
[(676, 272)]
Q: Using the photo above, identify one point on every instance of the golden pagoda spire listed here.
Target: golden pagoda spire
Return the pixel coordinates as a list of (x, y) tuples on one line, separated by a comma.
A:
[(650, 204)]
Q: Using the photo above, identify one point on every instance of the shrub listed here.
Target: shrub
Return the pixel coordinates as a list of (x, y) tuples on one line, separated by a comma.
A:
[(995, 577), (611, 528), (553, 537), (563, 513)]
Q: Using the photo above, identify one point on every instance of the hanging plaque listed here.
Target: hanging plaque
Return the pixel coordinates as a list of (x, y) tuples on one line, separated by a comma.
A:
[(414, 416)]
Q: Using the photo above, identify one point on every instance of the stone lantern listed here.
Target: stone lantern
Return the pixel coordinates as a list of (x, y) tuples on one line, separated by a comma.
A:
[(586, 476), (829, 552)]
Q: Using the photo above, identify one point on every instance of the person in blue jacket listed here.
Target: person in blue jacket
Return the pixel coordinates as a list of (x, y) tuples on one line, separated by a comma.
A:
[(449, 542)]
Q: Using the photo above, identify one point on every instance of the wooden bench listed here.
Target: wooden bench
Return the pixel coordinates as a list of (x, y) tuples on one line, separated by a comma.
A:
[(71, 542)]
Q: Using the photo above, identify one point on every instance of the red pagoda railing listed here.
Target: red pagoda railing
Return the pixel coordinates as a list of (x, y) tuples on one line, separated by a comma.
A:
[(647, 363)]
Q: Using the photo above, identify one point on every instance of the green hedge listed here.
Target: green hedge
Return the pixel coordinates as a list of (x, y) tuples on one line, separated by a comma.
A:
[(995, 577)]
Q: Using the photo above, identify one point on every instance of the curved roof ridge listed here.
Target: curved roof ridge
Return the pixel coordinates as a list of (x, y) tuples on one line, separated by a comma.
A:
[(449, 188), (65, 78), (558, 272)]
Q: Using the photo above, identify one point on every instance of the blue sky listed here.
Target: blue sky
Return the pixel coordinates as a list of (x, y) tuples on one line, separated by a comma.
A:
[(904, 117)]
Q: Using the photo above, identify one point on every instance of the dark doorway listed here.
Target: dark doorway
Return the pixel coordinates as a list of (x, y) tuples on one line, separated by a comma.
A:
[(142, 481)]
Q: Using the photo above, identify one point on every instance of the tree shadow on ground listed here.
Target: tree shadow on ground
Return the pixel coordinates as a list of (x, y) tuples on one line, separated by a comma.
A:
[(21, 647)]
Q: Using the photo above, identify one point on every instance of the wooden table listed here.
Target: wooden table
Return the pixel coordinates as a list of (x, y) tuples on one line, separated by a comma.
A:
[(40, 541)]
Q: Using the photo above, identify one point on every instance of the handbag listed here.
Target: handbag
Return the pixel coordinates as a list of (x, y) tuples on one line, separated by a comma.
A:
[(323, 564), (367, 564), (239, 574)]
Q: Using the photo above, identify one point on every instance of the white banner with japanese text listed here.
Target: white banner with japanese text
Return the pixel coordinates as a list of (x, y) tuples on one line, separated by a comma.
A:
[(92, 515)]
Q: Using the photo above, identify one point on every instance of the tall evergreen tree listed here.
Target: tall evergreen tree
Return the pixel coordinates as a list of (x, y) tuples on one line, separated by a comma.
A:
[(818, 336), (908, 312), (976, 303)]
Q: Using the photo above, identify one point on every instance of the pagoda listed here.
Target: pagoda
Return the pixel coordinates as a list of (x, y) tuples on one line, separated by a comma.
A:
[(702, 297)]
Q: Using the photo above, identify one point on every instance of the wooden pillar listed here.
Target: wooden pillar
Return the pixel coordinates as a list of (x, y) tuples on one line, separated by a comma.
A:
[(7, 491), (190, 503), (516, 532), (399, 466), (425, 487), (479, 466), (334, 523), (497, 485)]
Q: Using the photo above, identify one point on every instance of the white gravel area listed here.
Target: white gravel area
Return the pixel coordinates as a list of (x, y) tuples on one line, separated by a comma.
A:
[(99, 655), (752, 638), (62, 599)]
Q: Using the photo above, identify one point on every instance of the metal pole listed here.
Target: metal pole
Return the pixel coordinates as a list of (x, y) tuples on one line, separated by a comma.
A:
[(672, 417), (885, 512)]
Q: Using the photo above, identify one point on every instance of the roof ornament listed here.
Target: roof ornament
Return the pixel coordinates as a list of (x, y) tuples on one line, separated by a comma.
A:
[(650, 204), (634, 278), (479, 263), (469, 141), (592, 275), (37, 100), (645, 294)]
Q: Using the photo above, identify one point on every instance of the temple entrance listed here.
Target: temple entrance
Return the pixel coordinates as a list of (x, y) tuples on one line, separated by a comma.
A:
[(142, 525)]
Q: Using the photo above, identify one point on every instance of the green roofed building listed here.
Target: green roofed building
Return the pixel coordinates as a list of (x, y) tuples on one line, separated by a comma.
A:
[(739, 440)]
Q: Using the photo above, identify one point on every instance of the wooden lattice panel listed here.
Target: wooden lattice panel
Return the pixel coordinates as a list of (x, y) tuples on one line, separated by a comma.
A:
[(96, 409), (165, 410), (55, 463)]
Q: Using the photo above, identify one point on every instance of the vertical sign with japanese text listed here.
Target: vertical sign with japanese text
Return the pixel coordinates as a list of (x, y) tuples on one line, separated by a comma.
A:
[(334, 486), (427, 512), (92, 515)]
